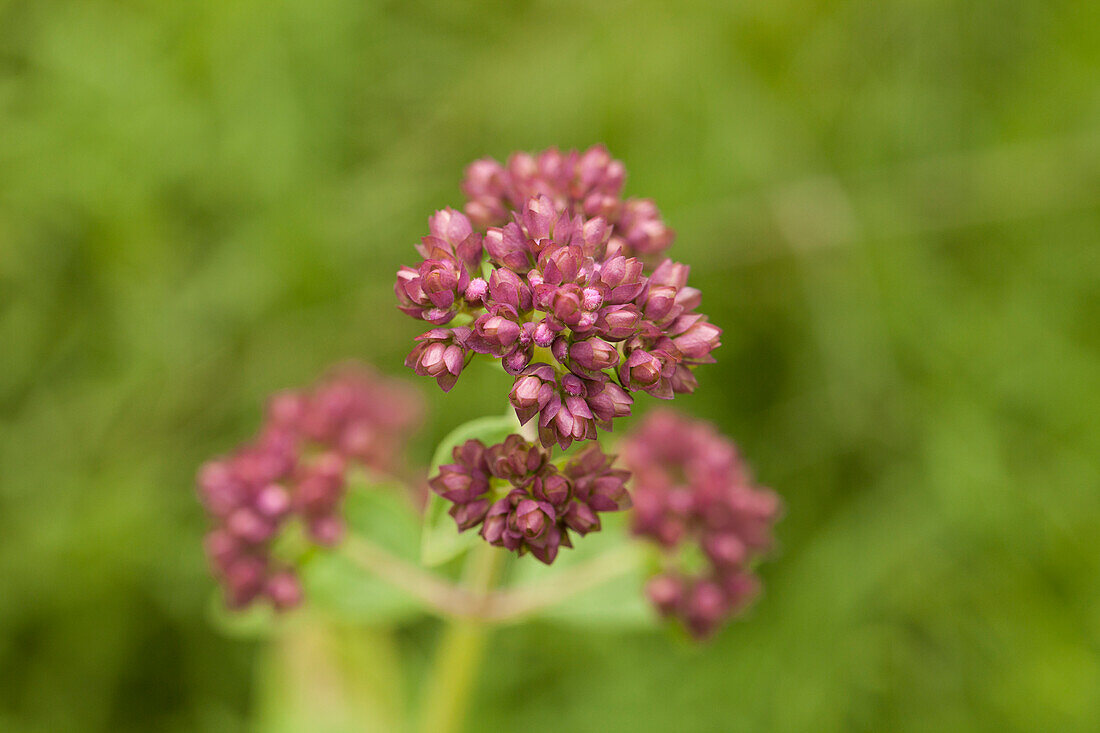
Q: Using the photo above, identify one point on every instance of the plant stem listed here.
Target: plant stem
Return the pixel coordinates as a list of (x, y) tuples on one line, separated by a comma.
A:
[(444, 597), (513, 605), (461, 648)]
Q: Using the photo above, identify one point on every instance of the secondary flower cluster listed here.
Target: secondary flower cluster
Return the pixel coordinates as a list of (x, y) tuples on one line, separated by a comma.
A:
[(566, 286), (295, 470), (694, 497), (525, 503)]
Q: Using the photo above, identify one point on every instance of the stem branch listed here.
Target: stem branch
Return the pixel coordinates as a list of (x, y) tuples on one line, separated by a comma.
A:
[(518, 603), (474, 600), (445, 598)]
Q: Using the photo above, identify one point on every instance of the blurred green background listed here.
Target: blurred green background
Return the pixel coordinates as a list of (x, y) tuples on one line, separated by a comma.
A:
[(892, 208)]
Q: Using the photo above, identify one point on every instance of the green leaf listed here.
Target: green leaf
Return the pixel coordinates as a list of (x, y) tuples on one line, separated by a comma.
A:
[(440, 539), (341, 590), (618, 604)]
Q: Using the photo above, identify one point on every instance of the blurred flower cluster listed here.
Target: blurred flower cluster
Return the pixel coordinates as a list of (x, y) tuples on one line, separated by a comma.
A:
[(564, 282), (296, 469), (694, 498), (524, 502)]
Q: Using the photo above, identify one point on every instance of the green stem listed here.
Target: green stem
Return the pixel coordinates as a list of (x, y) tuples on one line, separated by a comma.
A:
[(516, 604), (461, 648)]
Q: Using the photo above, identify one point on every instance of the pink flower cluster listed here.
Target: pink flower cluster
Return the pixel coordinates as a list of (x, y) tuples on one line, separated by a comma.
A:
[(694, 497), (525, 503), (588, 183), (296, 470), (566, 285)]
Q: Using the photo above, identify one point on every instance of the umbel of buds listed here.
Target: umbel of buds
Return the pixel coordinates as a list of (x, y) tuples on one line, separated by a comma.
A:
[(694, 498), (565, 282), (294, 471), (525, 503)]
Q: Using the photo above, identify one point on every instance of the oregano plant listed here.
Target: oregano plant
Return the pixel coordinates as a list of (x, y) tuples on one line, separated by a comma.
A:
[(552, 274)]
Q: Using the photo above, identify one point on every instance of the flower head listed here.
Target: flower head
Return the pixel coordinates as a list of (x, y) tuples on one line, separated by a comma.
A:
[(694, 498), (295, 471), (567, 285), (525, 503)]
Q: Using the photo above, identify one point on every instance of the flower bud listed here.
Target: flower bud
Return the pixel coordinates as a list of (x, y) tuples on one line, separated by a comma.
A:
[(286, 409), (581, 518), (533, 391), (518, 359), (698, 339), (440, 353), (508, 247), (618, 323), (484, 185), (545, 547), (244, 580), (560, 349), (249, 526), (665, 592), (450, 226), (495, 333), (565, 304), (593, 355), (658, 303), (222, 547), (705, 608), (284, 590), (538, 215), (560, 265), (476, 291), (608, 401), (544, 335), (532, 518), (591, 299), (725, 550), (642, 229), (220, 490), (273, 501), (641, 370), (495, 525), (507, 288), (554, 488), (326, 530), (441, 282), (621, 279), (470, 514)]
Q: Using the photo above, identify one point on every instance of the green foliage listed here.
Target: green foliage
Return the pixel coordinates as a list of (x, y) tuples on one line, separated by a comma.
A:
[(890, 207), (343, 592), (618, 605)]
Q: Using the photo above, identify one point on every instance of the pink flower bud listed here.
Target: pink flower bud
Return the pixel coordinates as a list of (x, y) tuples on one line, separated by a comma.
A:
[(665, 592), (476, 290), (284, 590), (327, 530)]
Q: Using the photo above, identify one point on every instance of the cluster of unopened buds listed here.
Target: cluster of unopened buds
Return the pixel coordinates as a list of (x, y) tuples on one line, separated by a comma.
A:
[(553, 273), (296, 470), (524, 502), (694, 498)]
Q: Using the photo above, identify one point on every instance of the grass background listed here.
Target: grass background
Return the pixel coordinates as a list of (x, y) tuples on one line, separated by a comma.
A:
[(892, 209)]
